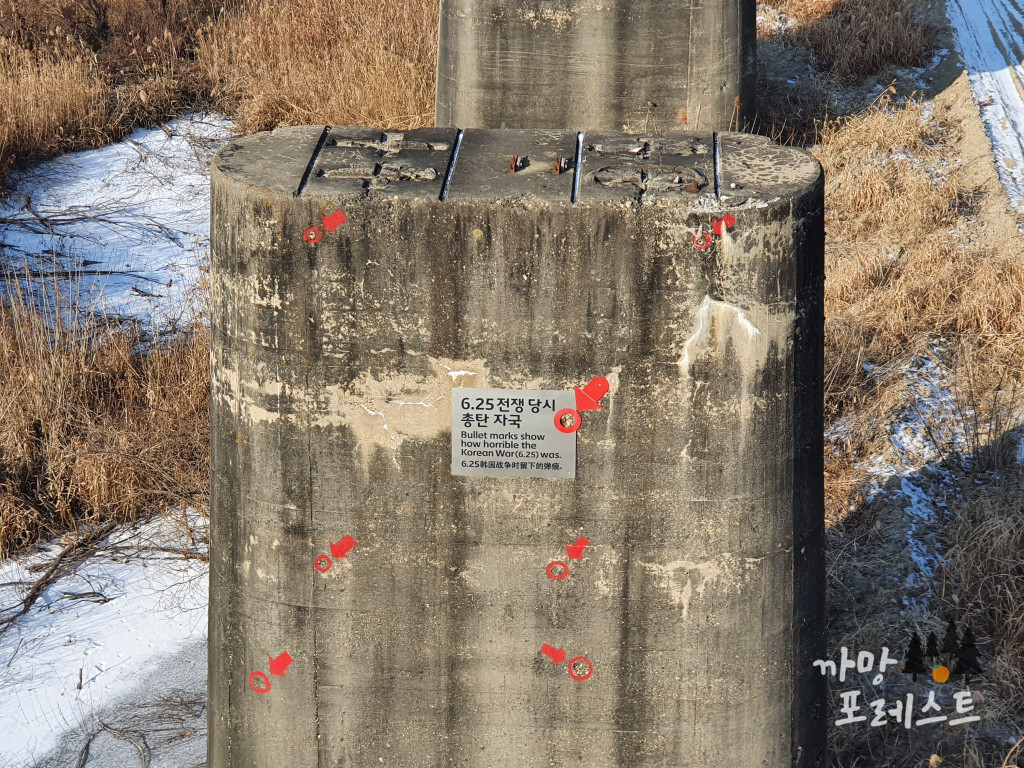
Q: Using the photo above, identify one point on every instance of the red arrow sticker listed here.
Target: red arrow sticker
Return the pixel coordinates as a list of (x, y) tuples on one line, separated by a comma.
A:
[(343, 547), (597, 388), (720, 225), (575, 551), (280, 664), (334, 220), (557, 655), (587, 398)]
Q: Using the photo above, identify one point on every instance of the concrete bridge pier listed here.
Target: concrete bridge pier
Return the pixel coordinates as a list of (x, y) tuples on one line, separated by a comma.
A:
[(378, 300)]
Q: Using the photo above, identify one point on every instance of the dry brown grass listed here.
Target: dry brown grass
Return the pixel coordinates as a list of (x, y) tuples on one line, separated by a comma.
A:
[(857, 38), (290, 62), (79, 74), (983, 579), (983, 582), (900, 270), (31, 124), (94, 424), (904, 269)]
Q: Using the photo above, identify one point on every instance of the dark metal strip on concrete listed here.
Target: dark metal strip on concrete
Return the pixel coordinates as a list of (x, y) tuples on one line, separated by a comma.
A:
[(718, 165), (451, 165), (578, 166), (312, 161)]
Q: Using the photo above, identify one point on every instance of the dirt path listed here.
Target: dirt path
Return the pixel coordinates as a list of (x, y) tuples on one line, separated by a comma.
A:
[(990, 38)]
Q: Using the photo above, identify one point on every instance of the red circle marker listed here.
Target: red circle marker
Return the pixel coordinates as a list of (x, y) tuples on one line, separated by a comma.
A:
[(326, 565), (577, 420), (562, 575), (590, 664), (703, 242), (266, 681), (312, 235)]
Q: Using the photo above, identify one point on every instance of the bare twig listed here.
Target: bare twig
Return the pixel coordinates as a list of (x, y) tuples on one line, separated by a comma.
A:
[(84, 754), (186, 553), (67, 557), (84, 272), (134, 738), (20, 643), (90, 596)]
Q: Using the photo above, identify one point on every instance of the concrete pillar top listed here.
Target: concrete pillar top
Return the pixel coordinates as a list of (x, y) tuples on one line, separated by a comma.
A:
[(492, 165)]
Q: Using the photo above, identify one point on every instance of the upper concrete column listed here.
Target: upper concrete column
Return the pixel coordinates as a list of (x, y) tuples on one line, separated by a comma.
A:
[(631, 65)]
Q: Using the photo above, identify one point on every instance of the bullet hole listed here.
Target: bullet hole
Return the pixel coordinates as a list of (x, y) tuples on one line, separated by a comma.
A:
[(580, 668), (557, 570), (264, 686), (568, 420)]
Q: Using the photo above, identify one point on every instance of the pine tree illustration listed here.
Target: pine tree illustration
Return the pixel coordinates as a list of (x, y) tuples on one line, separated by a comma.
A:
[(932, 651), (950, 645), (915, 658), (968, 661)]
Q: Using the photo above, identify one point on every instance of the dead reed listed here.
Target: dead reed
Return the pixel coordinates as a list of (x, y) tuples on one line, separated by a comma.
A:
[(901, 271), (857, 38), (78, 75), (292, 62), (96, 424)]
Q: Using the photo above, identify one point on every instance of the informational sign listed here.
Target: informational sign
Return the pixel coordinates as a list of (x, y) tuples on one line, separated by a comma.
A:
[(512, 433)]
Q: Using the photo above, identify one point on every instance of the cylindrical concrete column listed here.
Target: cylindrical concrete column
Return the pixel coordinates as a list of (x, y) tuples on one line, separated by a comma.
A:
[(371, 606), (620, 65)]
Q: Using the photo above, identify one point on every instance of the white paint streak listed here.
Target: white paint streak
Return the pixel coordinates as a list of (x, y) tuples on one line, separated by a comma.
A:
[(383, 418), (709, 309), (266, 293), (681, 578), (456, 375), (267, 576)]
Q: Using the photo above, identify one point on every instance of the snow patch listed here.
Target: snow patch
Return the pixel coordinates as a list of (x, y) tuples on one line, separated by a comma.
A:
[(130, 221), (988, 33), (929, 429), (108, 617)]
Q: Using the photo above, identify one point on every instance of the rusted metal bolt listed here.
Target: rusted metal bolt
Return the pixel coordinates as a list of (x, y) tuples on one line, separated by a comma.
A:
[(517, 163)]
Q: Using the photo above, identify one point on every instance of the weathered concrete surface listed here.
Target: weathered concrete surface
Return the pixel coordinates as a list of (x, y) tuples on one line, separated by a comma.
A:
[(700, 600), (597, 65)]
